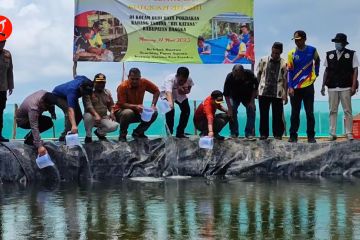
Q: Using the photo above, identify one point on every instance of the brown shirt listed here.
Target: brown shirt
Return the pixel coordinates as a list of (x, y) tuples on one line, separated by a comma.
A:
[(101, 102), (128, 94)]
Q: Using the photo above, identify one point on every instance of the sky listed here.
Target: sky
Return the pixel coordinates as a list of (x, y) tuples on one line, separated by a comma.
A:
[(42, 41)]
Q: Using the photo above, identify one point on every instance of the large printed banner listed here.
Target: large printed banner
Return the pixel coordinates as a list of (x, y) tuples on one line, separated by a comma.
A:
[(164, 31)]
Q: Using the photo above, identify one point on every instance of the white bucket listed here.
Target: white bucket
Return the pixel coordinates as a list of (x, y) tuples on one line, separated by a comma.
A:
[(44, 161), (72, 139), (163, 106), (147, 114), (206, 142)]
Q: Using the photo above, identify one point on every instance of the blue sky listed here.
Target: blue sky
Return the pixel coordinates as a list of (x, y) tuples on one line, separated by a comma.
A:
[(41, 43)]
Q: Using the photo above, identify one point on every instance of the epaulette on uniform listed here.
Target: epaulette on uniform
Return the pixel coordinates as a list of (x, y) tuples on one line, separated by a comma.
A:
[(7, 53)]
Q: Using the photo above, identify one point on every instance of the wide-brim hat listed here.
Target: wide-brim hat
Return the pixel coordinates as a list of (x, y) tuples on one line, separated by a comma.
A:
[(340, 38)]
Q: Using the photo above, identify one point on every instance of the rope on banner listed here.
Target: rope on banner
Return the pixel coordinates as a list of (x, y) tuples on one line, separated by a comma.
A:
[(74, 69), (123, 73)]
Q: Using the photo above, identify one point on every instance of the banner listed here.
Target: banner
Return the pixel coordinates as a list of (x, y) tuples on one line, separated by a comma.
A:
[(164, 31)]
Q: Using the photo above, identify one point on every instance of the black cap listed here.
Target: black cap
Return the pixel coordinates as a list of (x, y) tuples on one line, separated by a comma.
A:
[(299, 34), (278, 45), (340, 38), (217, 96), (100, 78)]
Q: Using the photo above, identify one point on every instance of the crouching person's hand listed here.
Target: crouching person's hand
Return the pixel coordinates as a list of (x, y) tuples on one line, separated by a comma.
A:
[(42, 151)]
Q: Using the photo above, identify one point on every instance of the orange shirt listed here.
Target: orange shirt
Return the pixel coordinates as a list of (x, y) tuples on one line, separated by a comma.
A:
[(206, 110), (128, 94)]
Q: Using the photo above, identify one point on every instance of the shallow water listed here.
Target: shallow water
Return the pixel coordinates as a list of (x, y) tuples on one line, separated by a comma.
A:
[(195, 208)]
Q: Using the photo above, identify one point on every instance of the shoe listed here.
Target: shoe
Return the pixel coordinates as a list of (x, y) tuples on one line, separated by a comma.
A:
[(182, 135), (263, 137), (219, 137), (139, 135), (278, 138), (2, 139), (350, 137), (250, 138), (62, 139), (29, 141), (101, 138), (122, 138), (293, 140), (332, 138), (311, 140), (88, 139)]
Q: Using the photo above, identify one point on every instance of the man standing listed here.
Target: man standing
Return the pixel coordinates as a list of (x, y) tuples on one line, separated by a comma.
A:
[(6, 82), (67, 96), (97, 105), (129, 106), (205, 119), (174, 89), (303, 68), (272, 91), (241, 87), (340, 77), (29, 116)]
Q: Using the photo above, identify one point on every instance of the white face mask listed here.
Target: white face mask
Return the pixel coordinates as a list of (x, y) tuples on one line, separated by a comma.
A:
[(339, 46)]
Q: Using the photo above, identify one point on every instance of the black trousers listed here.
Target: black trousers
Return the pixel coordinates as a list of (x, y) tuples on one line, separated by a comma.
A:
[(45, 123), (2, 108), (305, 95), (277, 116), (184, 117), (220, 120)]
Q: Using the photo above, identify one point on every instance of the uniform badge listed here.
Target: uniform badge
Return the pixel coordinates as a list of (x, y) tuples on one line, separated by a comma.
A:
[(347, 55), (331, 56)]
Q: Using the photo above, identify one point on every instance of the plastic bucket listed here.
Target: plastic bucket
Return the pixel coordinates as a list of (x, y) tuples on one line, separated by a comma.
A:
[(44, 161), (72, 140), (163, 106), (206, 142), (147, 114), (356, 128)]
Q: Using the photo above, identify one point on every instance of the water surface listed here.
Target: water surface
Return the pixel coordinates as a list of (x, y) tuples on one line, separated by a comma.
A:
[(194, 208)]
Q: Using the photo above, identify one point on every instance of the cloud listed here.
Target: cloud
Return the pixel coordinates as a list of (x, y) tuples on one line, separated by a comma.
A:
[(7, 4), (41, 43)]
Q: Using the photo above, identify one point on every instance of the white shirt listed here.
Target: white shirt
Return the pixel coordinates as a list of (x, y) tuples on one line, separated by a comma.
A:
[(355, 64), (171, 85)]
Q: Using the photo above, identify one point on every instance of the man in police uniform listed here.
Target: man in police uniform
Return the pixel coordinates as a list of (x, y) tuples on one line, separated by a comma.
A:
[(6, 81)]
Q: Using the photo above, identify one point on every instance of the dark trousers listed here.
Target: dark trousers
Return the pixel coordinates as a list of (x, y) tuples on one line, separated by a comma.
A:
[(44, 123), (127, 116), (2, 108), (220, 120), (62, 103), (184, 117), (277, 116), (305, 95), (250, 119)]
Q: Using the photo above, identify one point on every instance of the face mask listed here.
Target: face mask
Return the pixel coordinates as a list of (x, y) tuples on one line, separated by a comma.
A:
[(339, 46)]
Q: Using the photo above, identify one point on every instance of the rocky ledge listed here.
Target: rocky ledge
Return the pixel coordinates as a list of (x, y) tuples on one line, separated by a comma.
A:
[(168, 156)]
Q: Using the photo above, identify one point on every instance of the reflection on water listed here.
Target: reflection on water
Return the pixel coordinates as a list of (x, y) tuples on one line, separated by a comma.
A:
[(184, 209)]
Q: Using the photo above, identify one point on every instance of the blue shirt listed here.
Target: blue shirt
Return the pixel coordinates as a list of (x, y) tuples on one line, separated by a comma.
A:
[(70, 90), (302, 68)]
